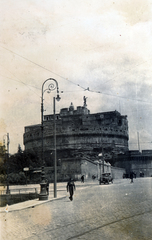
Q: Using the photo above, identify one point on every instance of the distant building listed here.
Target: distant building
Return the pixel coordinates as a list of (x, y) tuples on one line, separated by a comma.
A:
[(80, 136), (138, 162)]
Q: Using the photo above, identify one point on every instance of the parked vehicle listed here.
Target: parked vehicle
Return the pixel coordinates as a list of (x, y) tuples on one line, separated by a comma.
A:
[(106, 178)]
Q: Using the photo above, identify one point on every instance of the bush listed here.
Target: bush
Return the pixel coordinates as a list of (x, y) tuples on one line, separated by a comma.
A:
[(2, 178), (17, 178)]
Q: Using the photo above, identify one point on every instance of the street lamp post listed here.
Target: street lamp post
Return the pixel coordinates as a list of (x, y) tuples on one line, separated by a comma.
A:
[(55, 167), (8, 141), (52, 86), (54, 134)]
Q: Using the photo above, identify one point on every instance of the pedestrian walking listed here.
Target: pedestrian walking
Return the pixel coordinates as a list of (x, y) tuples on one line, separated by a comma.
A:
[(131, 177), (82, 179), (70, 188)]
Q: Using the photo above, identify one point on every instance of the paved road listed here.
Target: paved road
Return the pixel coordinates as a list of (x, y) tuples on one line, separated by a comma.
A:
[(117, 211)]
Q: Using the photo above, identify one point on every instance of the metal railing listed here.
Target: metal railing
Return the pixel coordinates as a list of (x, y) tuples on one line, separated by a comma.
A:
[(20, 191)]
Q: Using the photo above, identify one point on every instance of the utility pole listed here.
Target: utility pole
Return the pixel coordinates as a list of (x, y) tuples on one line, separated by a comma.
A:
[(55, 166), (138, 141), (7, 159)]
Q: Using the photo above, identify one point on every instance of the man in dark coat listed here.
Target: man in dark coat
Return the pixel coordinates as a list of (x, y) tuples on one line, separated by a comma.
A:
[(131, 176), (82, 179), (71, 188)]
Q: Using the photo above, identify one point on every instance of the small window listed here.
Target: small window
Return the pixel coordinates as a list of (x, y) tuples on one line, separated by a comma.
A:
[(120, 122)]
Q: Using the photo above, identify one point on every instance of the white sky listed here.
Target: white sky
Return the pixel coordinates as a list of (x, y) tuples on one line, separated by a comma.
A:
[(104, 45)]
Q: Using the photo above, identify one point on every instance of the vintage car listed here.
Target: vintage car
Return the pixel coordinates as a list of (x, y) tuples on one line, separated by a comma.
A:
[(106, 178)]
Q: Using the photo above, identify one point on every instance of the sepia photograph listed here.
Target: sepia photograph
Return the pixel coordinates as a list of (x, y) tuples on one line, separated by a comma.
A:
[(76, 120)]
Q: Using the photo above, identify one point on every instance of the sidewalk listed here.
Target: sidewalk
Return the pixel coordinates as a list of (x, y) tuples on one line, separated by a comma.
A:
[(61, 193), (31, 203)]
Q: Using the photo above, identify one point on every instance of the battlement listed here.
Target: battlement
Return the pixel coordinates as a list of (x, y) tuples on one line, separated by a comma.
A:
[(79, 133), (70, 111)]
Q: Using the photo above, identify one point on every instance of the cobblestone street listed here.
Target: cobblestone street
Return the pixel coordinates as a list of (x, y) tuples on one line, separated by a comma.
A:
[(116, 211)]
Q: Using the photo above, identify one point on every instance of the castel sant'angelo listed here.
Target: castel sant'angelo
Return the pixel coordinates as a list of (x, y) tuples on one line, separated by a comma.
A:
[(80, 135)]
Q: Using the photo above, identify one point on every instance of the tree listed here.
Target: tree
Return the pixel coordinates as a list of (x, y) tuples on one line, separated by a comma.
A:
[(22, 159), (2, 159), (19, 149)]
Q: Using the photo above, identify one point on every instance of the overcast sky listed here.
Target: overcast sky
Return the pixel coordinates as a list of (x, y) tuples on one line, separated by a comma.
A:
[(105, 46)]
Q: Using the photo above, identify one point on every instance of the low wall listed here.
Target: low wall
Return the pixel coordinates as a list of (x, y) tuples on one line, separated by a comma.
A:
[(76, 168), (88, 169), (142, 166), (117, 173), (16, 198)]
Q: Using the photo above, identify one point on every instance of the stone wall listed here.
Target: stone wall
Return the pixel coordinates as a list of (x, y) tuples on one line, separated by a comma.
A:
[(137, 162), (77, 167), (16, 198), (142, 166), (79, 134), (88, 169), (117, 173)]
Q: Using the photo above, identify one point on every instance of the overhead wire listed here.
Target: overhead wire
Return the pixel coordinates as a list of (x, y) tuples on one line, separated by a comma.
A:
[(41, 66), (85, 89), (20, 82), (102, 84)]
